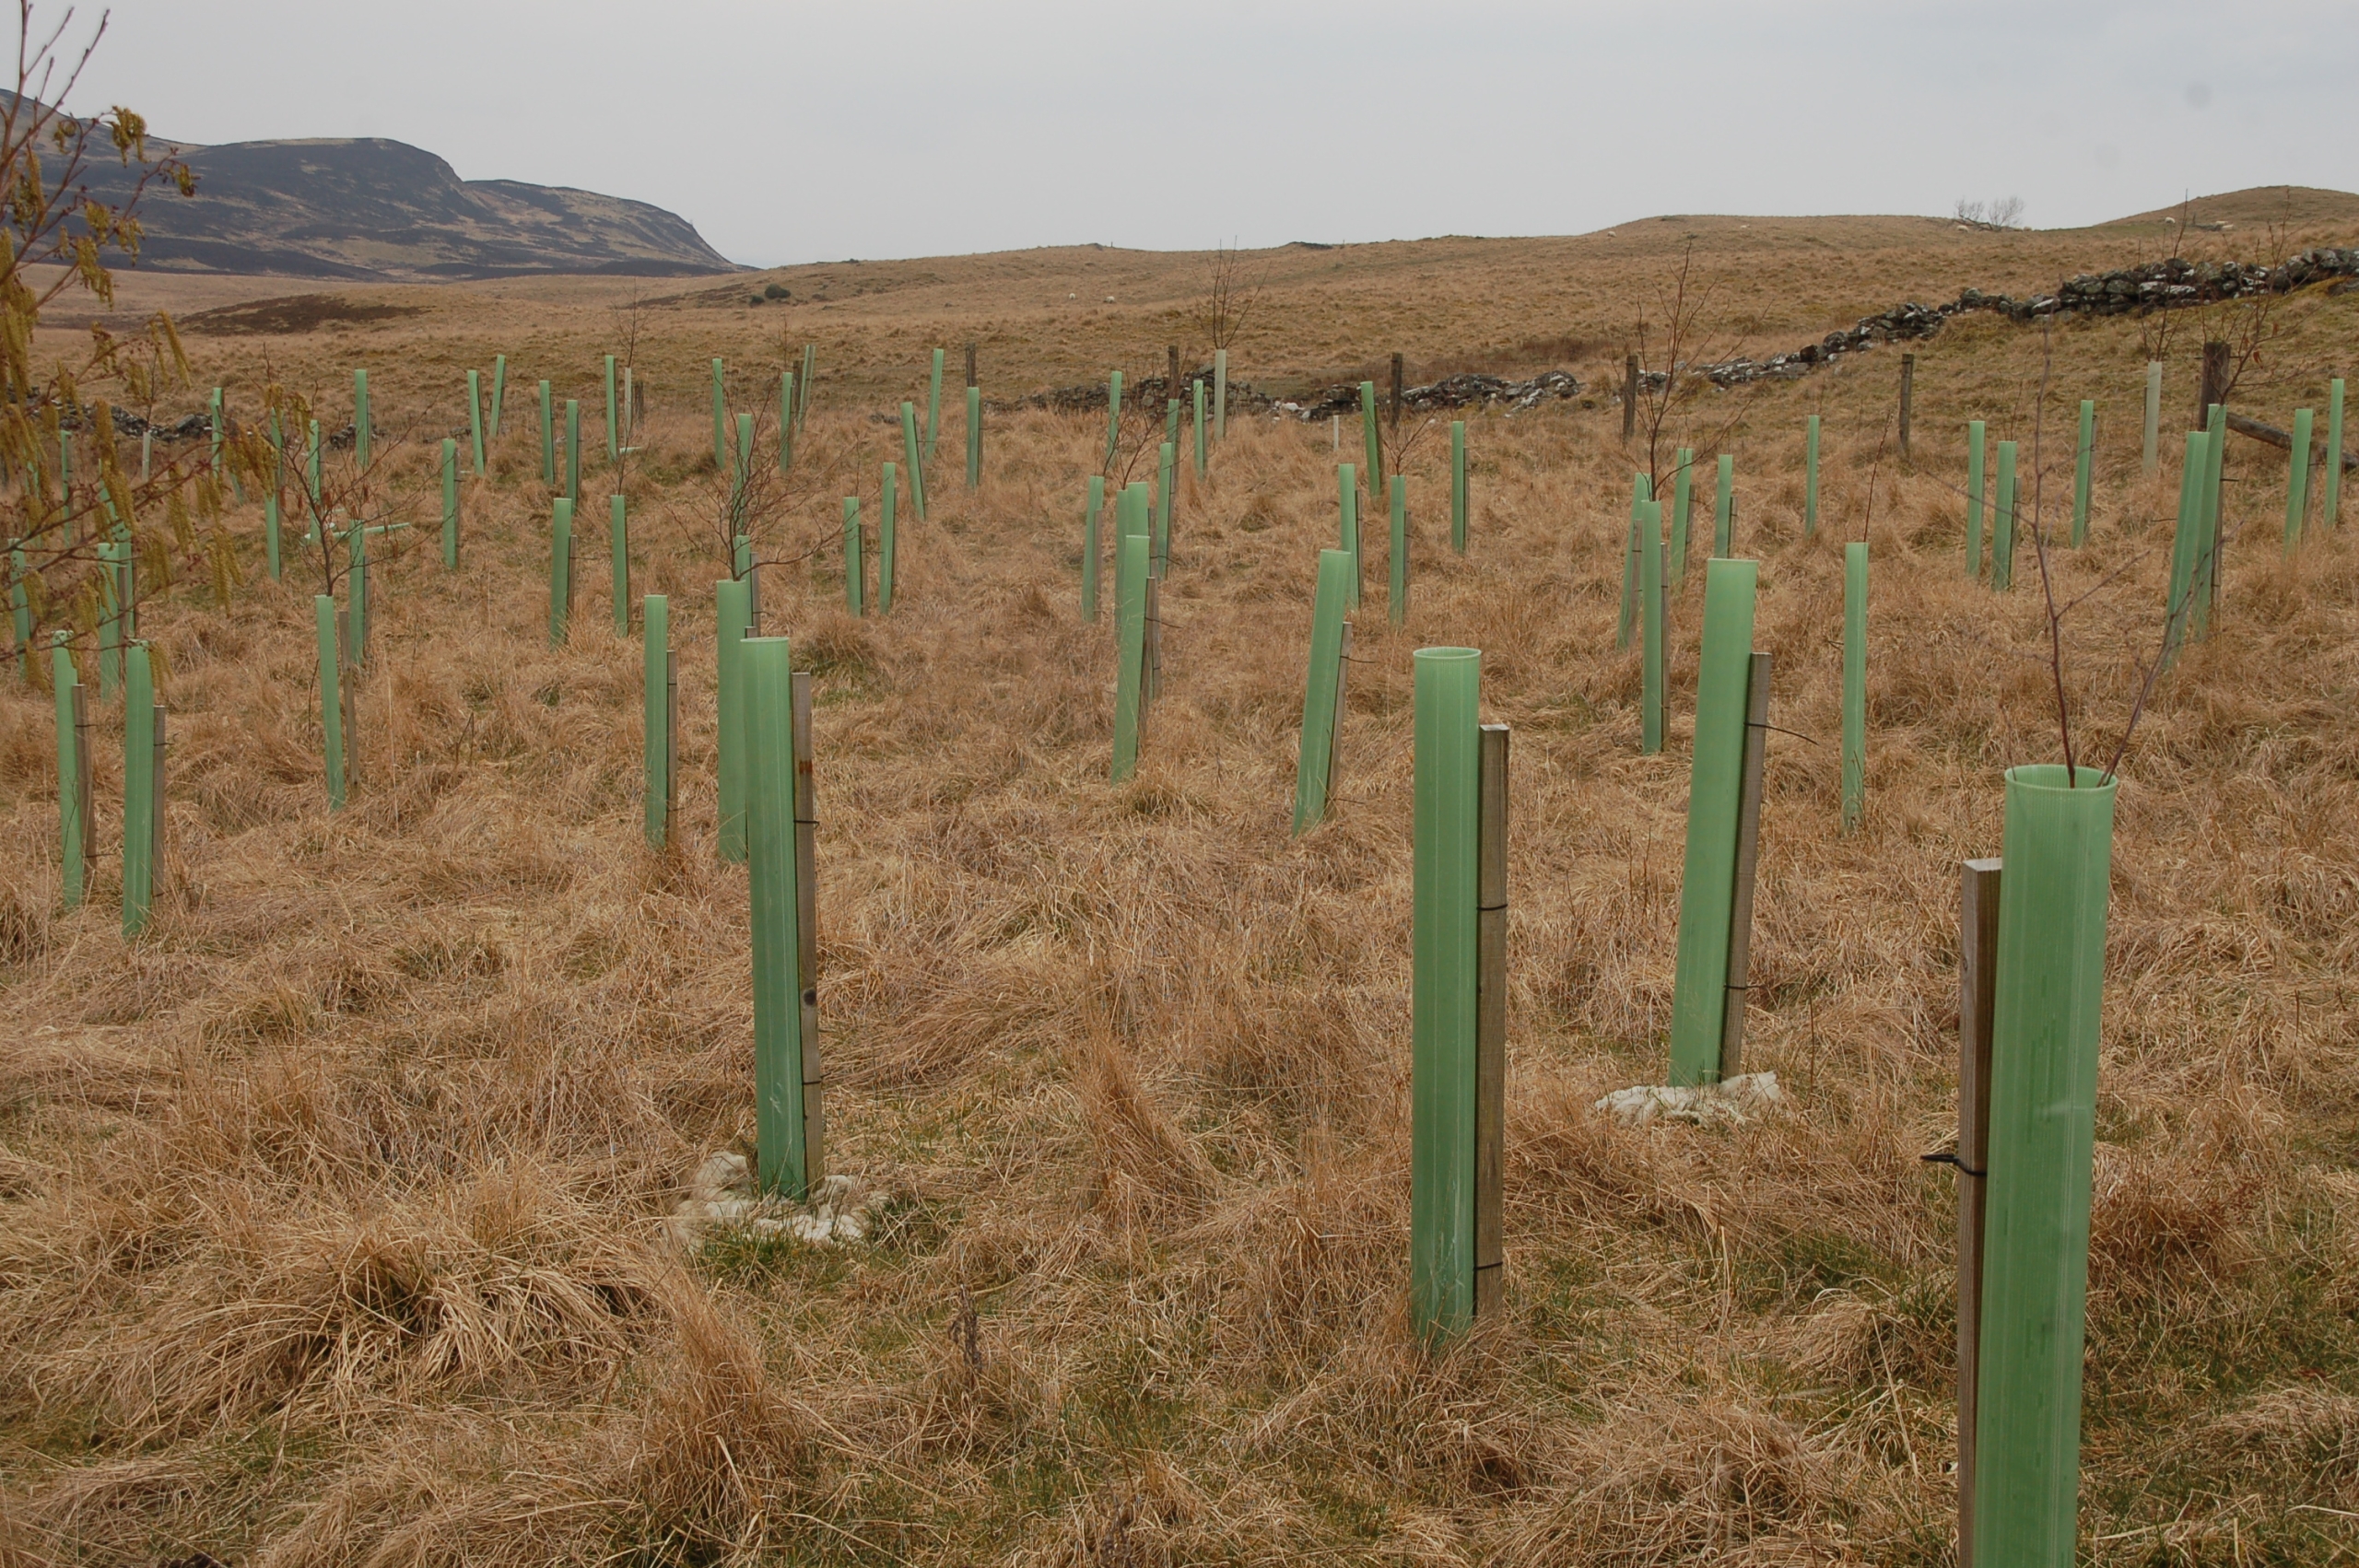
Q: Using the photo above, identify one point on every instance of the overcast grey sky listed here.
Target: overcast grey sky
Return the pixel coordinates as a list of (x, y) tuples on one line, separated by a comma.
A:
[(790, 132)]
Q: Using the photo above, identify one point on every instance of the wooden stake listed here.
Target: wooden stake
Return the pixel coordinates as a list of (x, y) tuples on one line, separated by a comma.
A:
[(1490, 1019), (1396, 395), (970, 366), (1629, 395), (1171, 370), (1977, 990), (2215, 386), (1748, 847), (1908, 391)]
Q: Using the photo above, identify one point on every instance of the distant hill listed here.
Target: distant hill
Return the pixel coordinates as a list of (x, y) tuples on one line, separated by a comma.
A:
[(369, 209), (2254, 208)]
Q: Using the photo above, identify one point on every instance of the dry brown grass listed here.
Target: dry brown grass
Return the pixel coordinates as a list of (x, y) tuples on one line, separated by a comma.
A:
[(329, 1213)]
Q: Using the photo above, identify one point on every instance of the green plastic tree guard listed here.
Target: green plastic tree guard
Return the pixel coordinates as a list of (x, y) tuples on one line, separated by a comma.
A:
[(802, 386), (117, 594), (2084, 468), (745, 469), (73, 773), (1091, 552), (884, 546), (1855, 683), (1682, 501), (1724, 509), (2207, 551), (855, 565), (974, 436), (213, 426), (2003, 521), (1348, 496), (1198, 425), (140, 804), (1641, 492), (1166, 463), (732, 617), (272, 499), (315, 464), (1113, 419), (573, 450), (1171, 422), (331, 698), (560, 569), (360, 422), (655, 618), (474, 417), (910, 456), (719, 419), (356, 592), (1314, 771), (786, 421), (933, 408), (1374, 437), (741, 562), (21, 610), (1458, 485), (1810, 480), (450, 501), (1650, 612), (1220, 394), (2152, 449), (1977, 433), (1130, 628), (2297, 479), (499, 390), (1708, 885), (619, 560), (613, 430), (2186, 542), (2330, 498), (1446, 841), (775, 909), (1397, 607), (2044, 1038), (548, 437)]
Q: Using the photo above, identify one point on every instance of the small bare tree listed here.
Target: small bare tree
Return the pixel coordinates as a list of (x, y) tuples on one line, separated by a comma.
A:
[(1232, 287)]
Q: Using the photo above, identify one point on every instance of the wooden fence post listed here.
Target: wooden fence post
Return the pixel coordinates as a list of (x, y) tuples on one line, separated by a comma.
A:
[(1396, 395), (1629, 395), (970, 366), (2213, 387)]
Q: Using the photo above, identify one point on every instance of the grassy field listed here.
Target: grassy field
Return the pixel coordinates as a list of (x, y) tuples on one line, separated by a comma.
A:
[(331, 1212)]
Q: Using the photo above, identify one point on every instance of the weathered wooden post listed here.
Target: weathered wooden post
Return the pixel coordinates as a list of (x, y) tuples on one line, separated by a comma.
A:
[(2045, 1018), (933, 408), (885, 544), (1220, 394), (719, 419), (972, 380), (1395, 411), (910, 456), (1708, 892), (560, 570), (855, 567), (1977, 983), (1129, 634), (1977, 433), (474, 417), (2083, 469), (2151, 452), (499, 390), (1810, 480), (2212, 390), (2330, 498), (2297, 479), (733, 616), (1348, 496), (786, 1161), (1397, 607), (1445, 1062), (76, 840), (619, 560), (329, 626), (1375, 440), (974, 436), (1322, 700), (1458, 485), (1724, 507), (143, 788), (1908, 390), (1855, 683), (450, 502), (661, 691), (2003, 521), (1092, 509), (1629, 396)]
